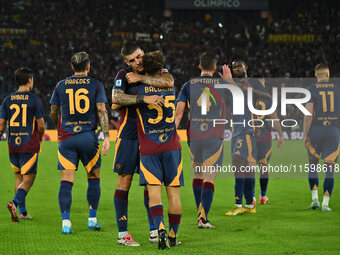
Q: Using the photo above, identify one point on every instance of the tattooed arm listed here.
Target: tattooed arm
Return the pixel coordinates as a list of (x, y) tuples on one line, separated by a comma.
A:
[(104, 123), (159, 81), (119, 97), (54, 114)]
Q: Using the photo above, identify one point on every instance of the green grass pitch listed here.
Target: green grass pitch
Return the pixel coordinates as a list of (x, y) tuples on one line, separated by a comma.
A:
[(283, 226)]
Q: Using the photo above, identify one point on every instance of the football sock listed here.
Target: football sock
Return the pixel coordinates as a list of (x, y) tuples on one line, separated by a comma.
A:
[(248, 189), (174, 221), (239, 179), (121, 208), (313, 176), (253, 185), (157, 216), (264, 179), (65, 199), (239, 189), (146, 204), (207, 198), (19, 198), (93, 196), (197, 188), (329, 180)]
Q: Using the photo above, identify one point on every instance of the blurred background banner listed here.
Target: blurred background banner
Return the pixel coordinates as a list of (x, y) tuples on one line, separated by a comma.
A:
[(218, 4)]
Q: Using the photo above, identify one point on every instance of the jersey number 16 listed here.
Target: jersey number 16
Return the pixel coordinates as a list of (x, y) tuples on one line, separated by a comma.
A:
[(76, 98)]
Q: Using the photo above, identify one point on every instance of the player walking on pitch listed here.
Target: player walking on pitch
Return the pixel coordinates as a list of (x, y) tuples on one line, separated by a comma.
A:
[(77, 103), (205, 140), (321, 134), (25, 113)]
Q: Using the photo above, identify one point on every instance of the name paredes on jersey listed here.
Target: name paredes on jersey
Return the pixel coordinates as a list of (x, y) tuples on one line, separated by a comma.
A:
[(20, 97), (78, 81)]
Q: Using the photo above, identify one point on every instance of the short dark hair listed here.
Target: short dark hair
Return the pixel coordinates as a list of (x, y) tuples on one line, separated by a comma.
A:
[(129, 48), (22, 75), (239, 61), (79, 61), (208, 61), (321, 66), (153, 62)]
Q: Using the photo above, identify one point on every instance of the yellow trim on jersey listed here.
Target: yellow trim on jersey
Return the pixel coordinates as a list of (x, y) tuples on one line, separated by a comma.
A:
[(331, 157), (33, 125), (149, 177), (15, 168), (252, 121), (175, 181), (250, 149), (213, 159), (312, 151), (29, 164), (124, 122), (116, 149), (265, 160), (140, 119), (67, 165), (93, 161)]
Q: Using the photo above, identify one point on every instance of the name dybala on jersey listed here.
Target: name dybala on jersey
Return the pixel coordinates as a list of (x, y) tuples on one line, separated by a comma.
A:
[(325, 97), (22, 109), (201, 126), (77, 96), (156, 125)]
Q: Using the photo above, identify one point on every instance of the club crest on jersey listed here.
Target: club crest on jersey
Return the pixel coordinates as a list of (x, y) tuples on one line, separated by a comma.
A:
[(18, 140), (204, 126), (163, 137), (77, 129), (119, 83), (326, 123)]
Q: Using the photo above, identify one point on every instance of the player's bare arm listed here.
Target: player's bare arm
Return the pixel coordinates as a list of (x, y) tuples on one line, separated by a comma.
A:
[(179, 113), (41, 127), (2, 127), (54, 114), (116, 107), (277, 127), (307, 123), (227, 75), (159, 81), (104, 123), (119, 97), (261, 94)]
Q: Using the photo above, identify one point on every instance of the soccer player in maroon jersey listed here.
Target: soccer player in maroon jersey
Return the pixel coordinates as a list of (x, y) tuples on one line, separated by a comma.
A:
[(25, 114), (160, 150), (126, 160)]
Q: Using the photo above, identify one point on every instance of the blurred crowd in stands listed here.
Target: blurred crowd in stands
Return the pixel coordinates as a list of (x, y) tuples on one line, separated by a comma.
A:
[(287, 40)]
